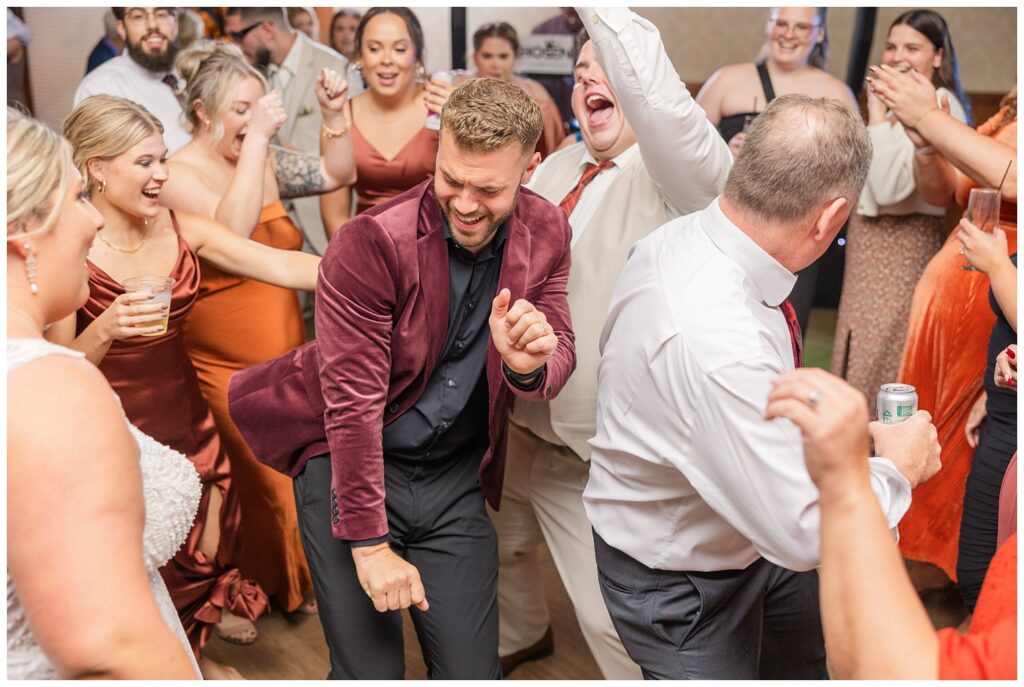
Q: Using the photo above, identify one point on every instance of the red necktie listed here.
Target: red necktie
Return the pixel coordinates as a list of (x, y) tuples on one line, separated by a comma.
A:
[(794, 332), (172, 82), (589, 172)]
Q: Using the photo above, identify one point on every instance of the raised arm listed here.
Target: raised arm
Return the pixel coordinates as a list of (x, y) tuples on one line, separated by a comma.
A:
[(211, 241), (912, 99), (898, 162), (875, 626), (75, 517), (239, 207), (680, 147), (304, 174)]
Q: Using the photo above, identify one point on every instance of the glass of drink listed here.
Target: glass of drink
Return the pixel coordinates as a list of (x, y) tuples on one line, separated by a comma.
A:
[(982, 212), (160, 289)]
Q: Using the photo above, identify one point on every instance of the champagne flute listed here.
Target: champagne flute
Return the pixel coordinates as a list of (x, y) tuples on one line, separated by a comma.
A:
[(982, 212)]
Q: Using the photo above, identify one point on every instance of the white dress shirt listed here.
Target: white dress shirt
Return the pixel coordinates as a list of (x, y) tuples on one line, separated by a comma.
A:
[(122, 76), (685, 472)]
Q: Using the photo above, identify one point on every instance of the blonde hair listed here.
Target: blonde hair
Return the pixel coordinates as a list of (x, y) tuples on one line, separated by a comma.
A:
[(487, 114), (210, 71), (38, 174), (104, 126)]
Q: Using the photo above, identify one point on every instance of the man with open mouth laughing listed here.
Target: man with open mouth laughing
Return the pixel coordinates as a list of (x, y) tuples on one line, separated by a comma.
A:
[(433, 311), (639, 165), (144, 73)]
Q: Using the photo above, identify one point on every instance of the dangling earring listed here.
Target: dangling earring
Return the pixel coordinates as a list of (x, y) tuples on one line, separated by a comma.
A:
[(359, 66), (30, 267), (421, 74), (103, 186)]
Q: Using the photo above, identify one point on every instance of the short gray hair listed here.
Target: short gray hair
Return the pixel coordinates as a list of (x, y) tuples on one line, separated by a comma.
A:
[(799, 153)]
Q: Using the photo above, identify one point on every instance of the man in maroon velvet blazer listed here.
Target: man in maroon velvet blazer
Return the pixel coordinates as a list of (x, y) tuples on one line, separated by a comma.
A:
[(433, 310)]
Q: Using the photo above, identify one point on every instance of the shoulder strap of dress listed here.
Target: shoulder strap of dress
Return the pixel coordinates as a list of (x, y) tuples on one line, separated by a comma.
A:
[(766, 81), (174, 222)]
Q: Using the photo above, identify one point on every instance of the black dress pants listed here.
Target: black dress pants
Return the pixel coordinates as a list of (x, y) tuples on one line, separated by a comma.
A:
[(438, 523), (759, 623)]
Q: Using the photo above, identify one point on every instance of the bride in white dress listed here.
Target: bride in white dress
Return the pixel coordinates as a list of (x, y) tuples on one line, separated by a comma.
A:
[(94, 506)]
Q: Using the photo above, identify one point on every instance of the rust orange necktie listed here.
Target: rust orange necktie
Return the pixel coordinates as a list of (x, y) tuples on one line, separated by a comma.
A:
[(589, 172)]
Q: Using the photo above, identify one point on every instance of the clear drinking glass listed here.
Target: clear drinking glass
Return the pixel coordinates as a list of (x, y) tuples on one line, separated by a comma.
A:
[(982, 212), (160, 288)]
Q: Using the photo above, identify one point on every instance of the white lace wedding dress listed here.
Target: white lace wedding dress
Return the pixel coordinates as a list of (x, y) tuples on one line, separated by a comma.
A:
[(170, 488)]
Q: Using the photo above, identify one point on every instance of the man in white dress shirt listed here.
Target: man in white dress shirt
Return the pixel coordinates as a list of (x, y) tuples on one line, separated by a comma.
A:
[(616, 186), (703, 511), (144, 72), (291, 62)]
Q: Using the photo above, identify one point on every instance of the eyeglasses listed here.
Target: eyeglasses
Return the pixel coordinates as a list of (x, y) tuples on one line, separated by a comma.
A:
[(138, 16), (801, 29), (239, 36)]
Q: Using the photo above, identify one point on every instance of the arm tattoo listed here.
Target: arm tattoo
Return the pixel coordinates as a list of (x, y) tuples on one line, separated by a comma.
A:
[(298, 174)]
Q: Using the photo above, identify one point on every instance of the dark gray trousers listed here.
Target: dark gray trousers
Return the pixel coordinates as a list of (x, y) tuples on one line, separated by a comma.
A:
[(759, 623), (439, 524)]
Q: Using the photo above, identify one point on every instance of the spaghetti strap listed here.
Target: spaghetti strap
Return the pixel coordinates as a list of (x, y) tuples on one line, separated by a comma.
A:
[(174, 222), (766, 81)]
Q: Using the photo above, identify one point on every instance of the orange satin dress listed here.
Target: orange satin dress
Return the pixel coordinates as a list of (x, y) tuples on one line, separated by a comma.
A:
[(236, 323), (379, 179), (157, 385), (944, 358)]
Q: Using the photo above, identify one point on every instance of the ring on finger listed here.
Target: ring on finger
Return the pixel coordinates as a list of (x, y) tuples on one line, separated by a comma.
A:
[(813, 398)]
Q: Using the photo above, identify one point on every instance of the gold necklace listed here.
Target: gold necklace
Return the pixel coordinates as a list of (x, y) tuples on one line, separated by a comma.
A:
[(145, 237)]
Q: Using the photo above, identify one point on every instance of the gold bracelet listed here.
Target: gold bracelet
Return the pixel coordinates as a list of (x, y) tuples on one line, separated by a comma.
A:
[(933, 108), (331, 133)]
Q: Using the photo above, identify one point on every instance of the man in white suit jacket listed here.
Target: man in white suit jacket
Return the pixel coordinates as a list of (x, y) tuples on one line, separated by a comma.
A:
[(292, 62), (675, 163)]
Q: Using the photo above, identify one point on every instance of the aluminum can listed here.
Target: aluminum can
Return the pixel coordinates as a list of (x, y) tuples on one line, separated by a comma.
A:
[(896, 403)]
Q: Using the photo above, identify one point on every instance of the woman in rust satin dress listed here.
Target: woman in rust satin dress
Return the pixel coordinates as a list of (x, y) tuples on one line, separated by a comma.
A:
[(394, 150), (119, 148), (230, 173), (950, 318)]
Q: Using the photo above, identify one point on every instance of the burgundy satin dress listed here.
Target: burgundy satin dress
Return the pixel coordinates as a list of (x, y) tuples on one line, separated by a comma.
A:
[(379, 179), (157, 385)]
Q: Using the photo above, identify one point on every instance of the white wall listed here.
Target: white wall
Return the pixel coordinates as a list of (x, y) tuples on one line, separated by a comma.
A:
[(62, 38)]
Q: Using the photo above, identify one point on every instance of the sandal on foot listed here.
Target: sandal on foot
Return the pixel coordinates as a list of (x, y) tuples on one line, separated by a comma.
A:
[(236, 630)]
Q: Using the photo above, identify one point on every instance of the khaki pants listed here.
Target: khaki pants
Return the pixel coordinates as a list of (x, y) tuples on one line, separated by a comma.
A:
[(543, 498)]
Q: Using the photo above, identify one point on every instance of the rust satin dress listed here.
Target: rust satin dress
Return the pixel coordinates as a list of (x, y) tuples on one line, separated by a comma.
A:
[(157, 385), (379, 179), (236, 323), (944, 358)]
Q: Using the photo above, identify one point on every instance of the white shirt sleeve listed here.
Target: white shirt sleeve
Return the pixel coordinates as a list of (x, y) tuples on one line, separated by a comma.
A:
[(681, 149), (752, 472)]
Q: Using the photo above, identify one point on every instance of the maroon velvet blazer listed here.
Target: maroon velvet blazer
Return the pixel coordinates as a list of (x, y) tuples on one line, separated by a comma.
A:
[(381, 319)]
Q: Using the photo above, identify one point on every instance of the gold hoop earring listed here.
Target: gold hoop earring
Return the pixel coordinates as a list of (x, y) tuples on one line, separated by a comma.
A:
[(103, 186), (30, 267)]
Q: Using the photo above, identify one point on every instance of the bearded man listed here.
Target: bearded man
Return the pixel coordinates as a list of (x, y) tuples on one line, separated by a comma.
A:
[(433, 311), (144, 72)]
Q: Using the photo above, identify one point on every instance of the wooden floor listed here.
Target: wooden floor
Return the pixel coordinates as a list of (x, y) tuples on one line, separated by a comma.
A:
[(292, 646)]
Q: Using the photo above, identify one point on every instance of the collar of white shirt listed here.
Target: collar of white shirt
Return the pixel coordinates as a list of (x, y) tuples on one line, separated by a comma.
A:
[(771, 282), (620, 160)]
